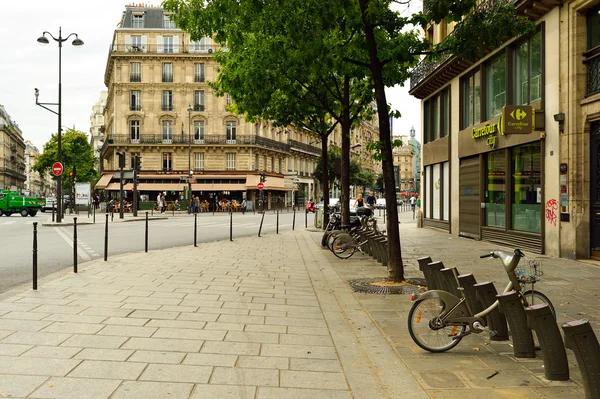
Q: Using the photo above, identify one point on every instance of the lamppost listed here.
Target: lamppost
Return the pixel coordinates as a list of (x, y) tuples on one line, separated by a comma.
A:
[(43, 40), (190, 109)]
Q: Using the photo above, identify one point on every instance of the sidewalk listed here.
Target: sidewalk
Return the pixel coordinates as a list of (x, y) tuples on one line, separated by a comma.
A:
[(262, 318)]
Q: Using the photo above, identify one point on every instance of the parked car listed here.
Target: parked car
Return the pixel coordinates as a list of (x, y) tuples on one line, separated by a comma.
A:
[(380, 203), (50, 203), (333, 202)]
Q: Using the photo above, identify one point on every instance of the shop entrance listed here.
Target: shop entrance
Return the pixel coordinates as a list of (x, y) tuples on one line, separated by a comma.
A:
[(595, 190), (469, 201)]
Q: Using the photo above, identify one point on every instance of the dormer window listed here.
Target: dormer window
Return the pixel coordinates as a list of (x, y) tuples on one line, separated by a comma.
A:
[(138, 21), (168, 23)]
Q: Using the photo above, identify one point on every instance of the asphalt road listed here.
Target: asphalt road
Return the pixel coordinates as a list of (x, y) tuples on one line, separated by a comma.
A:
[(55, 244)]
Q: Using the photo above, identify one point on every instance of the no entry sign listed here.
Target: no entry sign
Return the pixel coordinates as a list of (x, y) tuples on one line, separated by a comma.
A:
[(260, 185), (57, 169)]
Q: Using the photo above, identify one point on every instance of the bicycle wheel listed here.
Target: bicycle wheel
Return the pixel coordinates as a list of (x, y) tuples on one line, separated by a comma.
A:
[(325, 237), (422, 319), (332, 236), (534, 297), (344, 246)]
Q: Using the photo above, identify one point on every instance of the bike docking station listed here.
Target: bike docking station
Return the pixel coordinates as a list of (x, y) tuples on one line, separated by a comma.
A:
[(456, 305)]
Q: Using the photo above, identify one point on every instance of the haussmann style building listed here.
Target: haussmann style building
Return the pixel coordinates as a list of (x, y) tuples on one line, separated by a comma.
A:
[(515, 136), (160, 107), (12, 154)]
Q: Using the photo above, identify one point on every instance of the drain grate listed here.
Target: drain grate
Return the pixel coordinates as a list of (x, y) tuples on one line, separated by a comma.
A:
[(382, 286)]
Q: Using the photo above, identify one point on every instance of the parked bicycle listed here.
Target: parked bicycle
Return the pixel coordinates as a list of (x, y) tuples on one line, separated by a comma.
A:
[(345, 243), (438, 320)]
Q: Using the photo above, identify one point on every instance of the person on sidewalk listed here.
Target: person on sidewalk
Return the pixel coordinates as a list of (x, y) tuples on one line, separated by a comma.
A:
[(243, 206), (163, 203), (371, 200), (360, 202), (413, 202)]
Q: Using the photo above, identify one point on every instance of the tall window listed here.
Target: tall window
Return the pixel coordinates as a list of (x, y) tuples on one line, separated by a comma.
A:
[(199, 132), (199, 72), (167, 131), (201, 46), (437, 116), (495, 87), (228, 101), (167, 100), (198, 161), (167, 163), (134, 131), (168, 23), (138, 21), (528, 70), (135, 100), (230, 129), (256, 162), (135, 72), (471, 98), (136, 43), (495, 189), (272, 164), (168, 44), (592, 55), (527, 187), (230, 165), (198, 100), (167, 72)]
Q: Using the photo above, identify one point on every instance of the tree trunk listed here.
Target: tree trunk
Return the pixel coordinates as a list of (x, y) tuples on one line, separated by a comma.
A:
[(395, 265), (345, 200), (325, 182)]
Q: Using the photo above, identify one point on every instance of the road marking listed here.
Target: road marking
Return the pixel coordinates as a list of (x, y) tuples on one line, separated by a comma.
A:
[(61, 232)]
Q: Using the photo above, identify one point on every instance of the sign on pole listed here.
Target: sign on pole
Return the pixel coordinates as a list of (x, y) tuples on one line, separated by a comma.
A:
[(82, 193), (57, 169), (260, 185)]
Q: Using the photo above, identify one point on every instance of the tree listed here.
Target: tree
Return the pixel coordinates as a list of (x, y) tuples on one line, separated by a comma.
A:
[(76, 152)]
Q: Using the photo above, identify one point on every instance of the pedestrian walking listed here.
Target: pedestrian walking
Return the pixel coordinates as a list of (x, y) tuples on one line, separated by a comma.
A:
[(196, 204), (360, 202), (371, 200), (244, 206), (163, 203)]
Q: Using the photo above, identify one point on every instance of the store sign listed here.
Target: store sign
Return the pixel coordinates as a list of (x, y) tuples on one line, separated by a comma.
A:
[(489, 132), (517, 119)]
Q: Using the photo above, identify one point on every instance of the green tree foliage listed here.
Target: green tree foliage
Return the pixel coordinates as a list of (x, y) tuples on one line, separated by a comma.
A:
[(76, 152), (359, 176)]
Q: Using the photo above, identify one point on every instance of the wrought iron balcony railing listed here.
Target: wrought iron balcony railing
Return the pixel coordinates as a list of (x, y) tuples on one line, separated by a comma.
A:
[(304, 147), (154, 48), (135, 107), (167, 107), (167, 78), (199, 78), (135, 77), (198, 107)]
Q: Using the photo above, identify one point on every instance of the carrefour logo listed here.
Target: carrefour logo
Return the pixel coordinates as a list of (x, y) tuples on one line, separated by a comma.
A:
[(518, 114)]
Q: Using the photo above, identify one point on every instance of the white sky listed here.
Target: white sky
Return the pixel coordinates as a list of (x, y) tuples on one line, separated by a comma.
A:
[(26, 65)]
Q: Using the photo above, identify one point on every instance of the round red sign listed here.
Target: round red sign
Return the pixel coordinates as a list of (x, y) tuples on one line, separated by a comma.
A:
[(260, 186), (57, 169)]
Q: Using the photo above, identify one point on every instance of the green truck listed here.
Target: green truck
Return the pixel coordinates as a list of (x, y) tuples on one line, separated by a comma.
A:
[(12, 202)]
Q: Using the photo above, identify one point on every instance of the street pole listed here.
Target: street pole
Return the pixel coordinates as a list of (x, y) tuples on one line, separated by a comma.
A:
[(189, 158), (121, 216), (43, 40)]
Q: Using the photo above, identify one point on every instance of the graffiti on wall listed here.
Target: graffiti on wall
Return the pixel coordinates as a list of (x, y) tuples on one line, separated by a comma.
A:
[(551, 208)]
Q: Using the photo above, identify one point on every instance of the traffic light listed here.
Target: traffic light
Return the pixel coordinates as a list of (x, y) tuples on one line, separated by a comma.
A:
[(72, 178), (138, 163), (263, 178)]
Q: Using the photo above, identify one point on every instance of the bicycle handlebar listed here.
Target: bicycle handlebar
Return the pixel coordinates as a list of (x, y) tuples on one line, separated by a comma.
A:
[(486, 255)]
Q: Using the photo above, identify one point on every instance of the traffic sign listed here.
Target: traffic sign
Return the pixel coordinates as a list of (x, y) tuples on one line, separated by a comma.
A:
[(260, 185), (57, 169)]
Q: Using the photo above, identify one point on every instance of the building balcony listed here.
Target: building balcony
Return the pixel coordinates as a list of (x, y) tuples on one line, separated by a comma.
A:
[(199, 78), (167, 78), (14, 173), (592, 63), (207, 139), (135, 107), (296, 145), (157, 48), (167, 107), (135, 77), (199, 107)]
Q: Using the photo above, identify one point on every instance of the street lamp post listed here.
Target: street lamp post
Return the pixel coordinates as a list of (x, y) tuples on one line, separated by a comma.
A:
[(43, 40), (190, 109)]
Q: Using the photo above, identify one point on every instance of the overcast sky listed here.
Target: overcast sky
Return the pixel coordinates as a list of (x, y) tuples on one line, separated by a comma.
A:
[(27, 65)]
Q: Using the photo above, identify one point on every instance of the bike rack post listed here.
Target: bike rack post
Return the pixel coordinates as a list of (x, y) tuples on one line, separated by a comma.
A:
[(423, 262), (467, 282), (512, 308), (434, 270), (541, 320), (580, 338), (449, 281), (486, 293)]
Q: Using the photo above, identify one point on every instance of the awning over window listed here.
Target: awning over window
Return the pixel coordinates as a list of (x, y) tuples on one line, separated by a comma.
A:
[(104, 180), (272, 183)]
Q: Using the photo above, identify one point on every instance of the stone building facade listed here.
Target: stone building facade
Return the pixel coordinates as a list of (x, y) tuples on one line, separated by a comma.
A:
[(12, 154), (96, 123), (536, 189)]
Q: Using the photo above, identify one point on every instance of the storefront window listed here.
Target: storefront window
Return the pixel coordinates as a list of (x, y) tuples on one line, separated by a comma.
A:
[(495, 189), (471, 107), (496, 87), (446, 187), (437, 191), (528, 71), (427, 192), (527, 188)]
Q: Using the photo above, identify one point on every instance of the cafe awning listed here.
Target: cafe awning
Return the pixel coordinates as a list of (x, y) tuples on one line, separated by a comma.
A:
[(104, 180), (272, 183)]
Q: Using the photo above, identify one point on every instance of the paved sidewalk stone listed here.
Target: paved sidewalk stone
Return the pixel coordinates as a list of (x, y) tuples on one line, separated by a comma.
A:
[(263, 318)]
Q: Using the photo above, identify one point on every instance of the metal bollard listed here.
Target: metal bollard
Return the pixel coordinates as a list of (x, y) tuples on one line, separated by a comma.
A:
[(94, 214), (173, 210), (486, 293), (383, 215), (294, 219), (52, 213), (305, 219), (230, 226), (195, 230), (35, 250), (261, 223), (277, 225), (512, 308), (146, 235), (106, 239), (74, 245), (112, 216), (467, 283), (541, 320), (580, 338), (152, 211)]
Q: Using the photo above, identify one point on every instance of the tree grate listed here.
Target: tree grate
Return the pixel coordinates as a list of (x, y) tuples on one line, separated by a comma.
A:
[(378, 286)]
